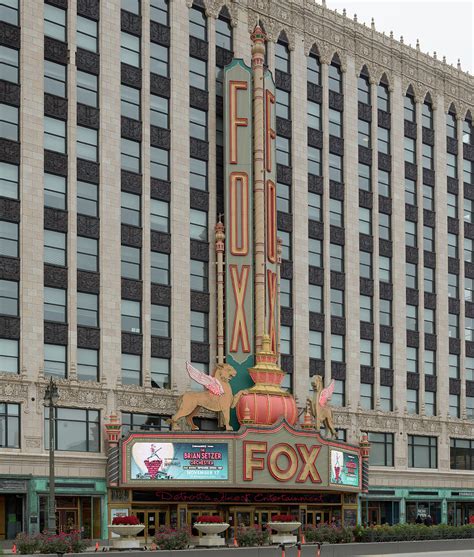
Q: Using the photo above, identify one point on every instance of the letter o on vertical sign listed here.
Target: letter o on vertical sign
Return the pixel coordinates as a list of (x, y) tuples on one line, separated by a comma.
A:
[(271, 222), (275, 457), (239, 213)]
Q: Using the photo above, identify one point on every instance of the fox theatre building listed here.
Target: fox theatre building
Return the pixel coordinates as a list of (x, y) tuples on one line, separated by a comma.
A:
[(263, 461)]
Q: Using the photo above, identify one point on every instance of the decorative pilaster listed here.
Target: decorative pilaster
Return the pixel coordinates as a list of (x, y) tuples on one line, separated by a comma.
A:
[(258, 55), (113, 429), (365, 453), (219, 239)]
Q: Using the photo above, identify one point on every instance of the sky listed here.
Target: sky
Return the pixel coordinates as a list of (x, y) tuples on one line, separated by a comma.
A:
[(446, 27)]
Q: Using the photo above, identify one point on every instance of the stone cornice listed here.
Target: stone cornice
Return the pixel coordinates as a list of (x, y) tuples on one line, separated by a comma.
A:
[(332, 33)]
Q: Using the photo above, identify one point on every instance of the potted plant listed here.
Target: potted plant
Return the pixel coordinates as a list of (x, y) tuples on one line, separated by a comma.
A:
[(127, 527), (211, 527), (284, 524)]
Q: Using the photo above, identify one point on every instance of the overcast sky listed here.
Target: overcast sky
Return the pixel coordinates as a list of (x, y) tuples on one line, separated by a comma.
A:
[(442, 26)]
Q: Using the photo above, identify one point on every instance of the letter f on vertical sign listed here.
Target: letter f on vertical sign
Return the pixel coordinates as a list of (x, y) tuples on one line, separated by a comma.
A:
[(239, 330), (234, 120)]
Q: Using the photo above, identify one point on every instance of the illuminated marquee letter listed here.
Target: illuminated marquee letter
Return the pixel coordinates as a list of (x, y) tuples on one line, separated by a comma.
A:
[(252, 462), (270, 134), (239, 213), (272, 296), (274, 458), (239, 286), (308, 470), (234, 120), (271, 222)]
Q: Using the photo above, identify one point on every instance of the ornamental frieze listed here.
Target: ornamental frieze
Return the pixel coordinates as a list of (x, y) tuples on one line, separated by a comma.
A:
[(12, 388)]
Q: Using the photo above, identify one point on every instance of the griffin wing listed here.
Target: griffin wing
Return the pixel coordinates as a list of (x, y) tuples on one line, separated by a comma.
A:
[(326, 393), (212, 384)]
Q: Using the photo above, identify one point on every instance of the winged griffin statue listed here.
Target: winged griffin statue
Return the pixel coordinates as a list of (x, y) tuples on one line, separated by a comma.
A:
[(216, 396), (320, 410)]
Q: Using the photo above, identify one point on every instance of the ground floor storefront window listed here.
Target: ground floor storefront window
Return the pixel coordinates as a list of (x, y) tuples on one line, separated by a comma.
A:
[(421, 510), (460, 513), (12, 512), (380, 512), (74, 513)]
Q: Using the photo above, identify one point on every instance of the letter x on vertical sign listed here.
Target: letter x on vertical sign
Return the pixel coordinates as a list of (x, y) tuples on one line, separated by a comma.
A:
[(239, 330)]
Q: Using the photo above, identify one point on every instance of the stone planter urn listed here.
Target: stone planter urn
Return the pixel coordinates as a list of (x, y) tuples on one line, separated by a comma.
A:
[(211, 531), (127, 533), (284, 531)]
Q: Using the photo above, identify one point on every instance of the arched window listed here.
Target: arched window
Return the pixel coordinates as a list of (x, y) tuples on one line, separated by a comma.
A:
[(409, 106), (282, 55), (198, 23), (383, 97), (467, 131), (363, 87), (313, 68), (224, 30), (335, 76), (427, 114), (451, 126)]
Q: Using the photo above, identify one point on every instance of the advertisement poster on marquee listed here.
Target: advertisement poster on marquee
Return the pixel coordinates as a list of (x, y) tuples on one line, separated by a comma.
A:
[(344, 468), (179, 461)]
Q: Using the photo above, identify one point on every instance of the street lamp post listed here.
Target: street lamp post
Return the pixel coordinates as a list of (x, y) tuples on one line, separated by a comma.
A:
[(51, 397)]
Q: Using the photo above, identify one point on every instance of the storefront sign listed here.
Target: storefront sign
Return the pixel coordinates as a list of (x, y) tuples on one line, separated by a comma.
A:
[(179, 461), (216, 497), (344, 468)]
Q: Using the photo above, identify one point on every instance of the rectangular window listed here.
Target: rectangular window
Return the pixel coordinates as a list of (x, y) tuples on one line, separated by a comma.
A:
[(383, 97), (337, 302), (87, 254), (159, 60), (286, 340), (429, 280), (335, 79), (8, 297), (451, 165), (87, 364), (430, 362), (412, 401), (451, 126), (131, 316), (365, 264), (55, 248), (467, 132), (87, 34), (54, 134), (454, 406), (313, 69), (9, 60), (365, 178), (315, 252), (363, 89), (430, 403), (428, 238), (55, 360), (198, 225), (87, 199), (412, 359), (316, 345), (381, 449), (468, 210), (143, 422), (410, 150), (55, 308), (132, 6), (159, 163), (198, 123), (199, 326), (453, 325), (285, 293), (198, 174), (314, 161), (412, 318), (315, 298), (365, 309), (383, 140), (87, 89), (199, 276), (9, 355), (468, 250), (8, 238), (428, 197), (87, 309), (9, 423), (427, 156), (9, 180), (386, 398), (284, 198), (468, 171), (9, 128), (385, 315), (283, 151), (130, 155), (198, 73), (410, 191), (283, 104), (470, 407), (130, 209), (452, 245), (385, 355), (384, 226), (365, 221), (461, 454), (197, 23), (55, 191), (335, 123), (130, 50), (131, 369), (159, 215), (363, 133), (160, 321), (55, 79), (160, 373), (367, 396), (384, 183), (76, 430), (409, 108), (335, 168), (385, 269), (411, 275), (366, 353), (285, 238), (282, 58), (336, 212), (410, 234), (130, 262), (337, 348), (314, 115), (223, 34), (87, 144), (159, 111), (160, 268), (130, 102), (453, 363), (339, 395), (426, 116), (54, 22), (468, 289)]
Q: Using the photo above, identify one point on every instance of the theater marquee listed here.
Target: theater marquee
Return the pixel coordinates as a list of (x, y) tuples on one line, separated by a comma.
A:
[(271, 457)]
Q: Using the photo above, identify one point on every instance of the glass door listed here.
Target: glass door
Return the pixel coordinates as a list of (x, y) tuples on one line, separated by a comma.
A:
[(193, 514), (152, 519)]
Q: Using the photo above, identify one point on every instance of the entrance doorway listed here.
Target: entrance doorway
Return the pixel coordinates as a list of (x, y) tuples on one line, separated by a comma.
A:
[(152, 519), (11, 516), (316, 517), (193, 514)]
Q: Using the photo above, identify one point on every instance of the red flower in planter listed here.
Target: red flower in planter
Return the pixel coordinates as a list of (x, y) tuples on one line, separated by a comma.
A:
[(284, 518), (208, 519), (131, 520)]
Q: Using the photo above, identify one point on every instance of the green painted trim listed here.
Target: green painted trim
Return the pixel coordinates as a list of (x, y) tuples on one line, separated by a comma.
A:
[(241, 381), (237, 62)]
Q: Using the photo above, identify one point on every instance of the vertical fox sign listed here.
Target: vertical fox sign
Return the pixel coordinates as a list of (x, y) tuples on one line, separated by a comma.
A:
[(239, 311)]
